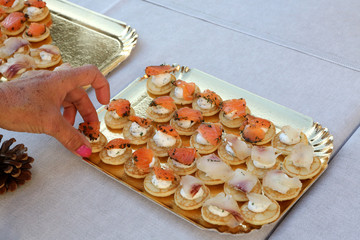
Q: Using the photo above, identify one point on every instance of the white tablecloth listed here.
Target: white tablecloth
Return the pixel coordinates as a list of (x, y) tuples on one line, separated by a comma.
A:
[(67, 199)]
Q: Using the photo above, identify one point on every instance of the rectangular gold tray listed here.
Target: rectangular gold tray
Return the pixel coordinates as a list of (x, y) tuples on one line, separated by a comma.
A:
[(137, 94)]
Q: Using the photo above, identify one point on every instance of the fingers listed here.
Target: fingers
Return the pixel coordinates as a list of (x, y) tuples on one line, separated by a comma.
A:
[(81, 102), (87, 75), (71, 138), (69, 112)]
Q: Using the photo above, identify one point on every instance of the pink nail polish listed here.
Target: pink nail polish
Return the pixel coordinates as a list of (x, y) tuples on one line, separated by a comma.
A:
[(84, 151)]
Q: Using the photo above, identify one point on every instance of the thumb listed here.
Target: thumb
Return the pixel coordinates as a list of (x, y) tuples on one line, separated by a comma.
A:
[(71, 138)]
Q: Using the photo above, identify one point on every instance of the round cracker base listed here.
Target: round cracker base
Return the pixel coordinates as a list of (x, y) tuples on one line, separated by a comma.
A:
[(284, 148), (260, 172), (234, 123), (275, 195), (98, 146), (13, 33), (182, 171), (158, 192), (206, 112), (184, 131), (17, 8), (228, 158), (207, 180), (269, 215), (268, 136), (40, 38), (160, 118), (39, 17), (115, 160), (162, 151), (187, 204), (214, 219), (153, 89), (117, 123), (301, 172), (137, 140), (202, 149), (239, 195)]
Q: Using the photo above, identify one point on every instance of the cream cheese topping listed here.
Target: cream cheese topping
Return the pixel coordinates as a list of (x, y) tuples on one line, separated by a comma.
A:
[(114, 115), (160, 110), (263, 157), (258, 202), (116, 152), (230, 115), (218, 211), (163, 140), (185, 123), (33, 11), (138, 131), (180, 165), (204, 104), (159, 183), (94, 140), (200, 193), (45, 56), (289, 135), (200, 139), (161, 80), (179, 93)]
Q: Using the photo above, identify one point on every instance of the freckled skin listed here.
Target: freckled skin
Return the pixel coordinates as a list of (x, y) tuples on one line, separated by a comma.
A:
[(33, 103)]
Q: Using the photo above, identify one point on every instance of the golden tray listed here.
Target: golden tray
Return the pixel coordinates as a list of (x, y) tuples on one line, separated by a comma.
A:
[(137, 94), (86, 37)]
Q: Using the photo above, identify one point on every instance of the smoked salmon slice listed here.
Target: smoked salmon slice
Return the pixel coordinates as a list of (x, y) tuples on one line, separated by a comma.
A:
[(254, 128), (143, 122), (169, 130), (156, 70), (164, 174), (121, 106), (117, 143), (14, 21), (142, 158), (210, 96), (183, 155), (36, 29), (237, 105), (90, 129), (211, 132), (188, 114), (188, 89), (165, 102)]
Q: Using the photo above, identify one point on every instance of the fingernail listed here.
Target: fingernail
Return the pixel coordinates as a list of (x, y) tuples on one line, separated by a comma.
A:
[(84, 151)]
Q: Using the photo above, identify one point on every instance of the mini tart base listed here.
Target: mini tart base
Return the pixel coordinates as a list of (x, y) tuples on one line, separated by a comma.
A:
[(152, 88), (275, 195), (39, 17), (40, 38), (214, 219), (115, 160), (158, 192), (206, 112), (269, 215), (182, 101), (301, 172), (98, 146), (228, 158), (55, 59), (260, 172), (162, 151), (239, 195), (17, 8), (207, 180), (183, 171), (202, 149), (13, 33), (159, 117), (235, 123), (137, 140), (188, 204), (268, 136), (284, 148), (184, 131), (117, 123), (132, 171)]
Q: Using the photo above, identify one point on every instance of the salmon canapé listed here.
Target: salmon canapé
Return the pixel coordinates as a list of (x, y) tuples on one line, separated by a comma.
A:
[(36, 30), (118, 143), (165, 174), (164, 102), (143, 158), (257, 130), (14, 23), (168, 130), (143, 122), (156, 70), (184, 156), (161, 109), (189, 114), (211, 132), (90, 129), (183, 92), (208, 102), (234, 108), (120, 106)]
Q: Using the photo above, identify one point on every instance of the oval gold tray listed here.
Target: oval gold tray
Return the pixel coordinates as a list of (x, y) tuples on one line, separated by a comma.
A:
[(136, 93)]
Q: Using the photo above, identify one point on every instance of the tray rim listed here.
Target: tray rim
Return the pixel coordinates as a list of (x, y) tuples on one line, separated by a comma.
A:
[(319, 133)]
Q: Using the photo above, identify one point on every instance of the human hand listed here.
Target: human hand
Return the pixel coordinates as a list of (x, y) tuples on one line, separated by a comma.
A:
[(33, 103)]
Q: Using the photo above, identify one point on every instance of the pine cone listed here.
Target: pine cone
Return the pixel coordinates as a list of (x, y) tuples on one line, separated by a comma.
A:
[(14, 165)]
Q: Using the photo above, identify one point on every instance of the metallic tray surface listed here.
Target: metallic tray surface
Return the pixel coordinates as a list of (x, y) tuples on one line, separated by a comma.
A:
[(319, 137), (86, 37)]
